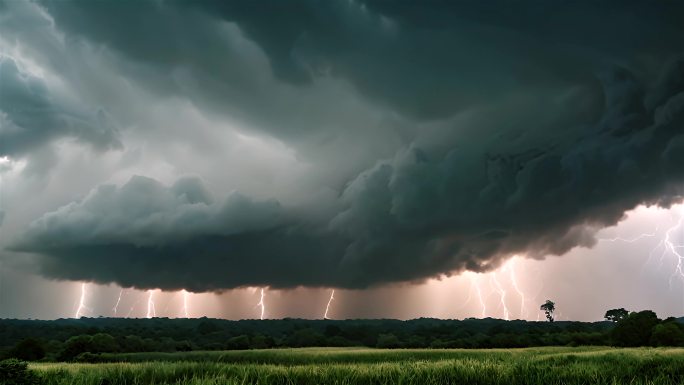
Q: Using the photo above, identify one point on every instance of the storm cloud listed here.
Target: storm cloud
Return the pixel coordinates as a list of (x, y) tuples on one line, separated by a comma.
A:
[(434, 138), (31, 115)]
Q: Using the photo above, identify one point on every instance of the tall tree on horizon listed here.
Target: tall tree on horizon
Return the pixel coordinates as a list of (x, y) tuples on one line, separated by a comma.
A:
[(548, 308)]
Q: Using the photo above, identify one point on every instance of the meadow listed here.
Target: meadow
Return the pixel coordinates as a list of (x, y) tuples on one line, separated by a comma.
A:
[(549, 365)]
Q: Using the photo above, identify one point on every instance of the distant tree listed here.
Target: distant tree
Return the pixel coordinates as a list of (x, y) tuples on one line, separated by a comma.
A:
[(75, 346), (27, 350), (548, 308), (304, 337), (103, 342), (332, 330), (636, 329), (667, 334), (616, 315), (240, 342), (388, 341), (207, 327)]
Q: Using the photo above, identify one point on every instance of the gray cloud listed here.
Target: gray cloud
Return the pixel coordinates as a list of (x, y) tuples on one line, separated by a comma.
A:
[(410, 217), (31, 115), (446, 137)]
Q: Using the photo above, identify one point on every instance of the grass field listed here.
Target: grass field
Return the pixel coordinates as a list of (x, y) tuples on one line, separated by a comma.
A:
[(374, 366)]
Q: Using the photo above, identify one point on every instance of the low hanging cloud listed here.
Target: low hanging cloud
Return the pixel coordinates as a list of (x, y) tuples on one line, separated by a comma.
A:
[(499, 135), (411, 217)]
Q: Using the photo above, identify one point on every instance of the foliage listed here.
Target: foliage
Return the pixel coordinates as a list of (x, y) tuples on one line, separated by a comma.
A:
[(667, 334), (16, 372), (636, 329), (379, 366), (65, 340), (548, 308), (388, 341), (616, 315), (27, 350)]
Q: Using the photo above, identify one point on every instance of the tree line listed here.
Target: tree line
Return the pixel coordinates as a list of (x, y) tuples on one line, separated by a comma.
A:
[(80, 339)]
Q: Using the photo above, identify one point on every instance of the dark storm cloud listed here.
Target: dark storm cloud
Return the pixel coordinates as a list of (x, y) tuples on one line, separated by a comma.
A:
[(425, 60), (523, 130), (414, 216), (31, 115)]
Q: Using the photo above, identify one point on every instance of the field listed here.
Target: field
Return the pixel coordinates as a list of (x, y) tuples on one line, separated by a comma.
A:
[(375, 366)]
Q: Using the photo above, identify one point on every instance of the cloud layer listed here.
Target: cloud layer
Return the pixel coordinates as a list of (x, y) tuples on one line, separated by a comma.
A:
[(435, 138)]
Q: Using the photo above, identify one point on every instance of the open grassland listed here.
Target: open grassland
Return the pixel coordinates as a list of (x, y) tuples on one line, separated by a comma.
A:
[(374, 366)]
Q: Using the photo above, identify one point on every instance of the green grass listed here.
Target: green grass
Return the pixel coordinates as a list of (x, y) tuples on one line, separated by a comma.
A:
[(374, 366)]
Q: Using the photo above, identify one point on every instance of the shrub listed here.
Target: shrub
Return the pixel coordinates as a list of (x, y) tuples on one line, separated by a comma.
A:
[(16, 372)]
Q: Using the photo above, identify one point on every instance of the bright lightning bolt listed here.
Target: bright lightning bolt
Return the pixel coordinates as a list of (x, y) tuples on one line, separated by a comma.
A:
[(186, 296), (666, 244), (630, 240), (502, 295), (118, 301), (479, 297), (151, 312), (327, 307), (672, 248), (262, 304), (81, 302), (514, 282)]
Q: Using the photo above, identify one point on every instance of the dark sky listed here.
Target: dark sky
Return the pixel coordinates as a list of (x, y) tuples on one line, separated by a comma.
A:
[(357, 145)]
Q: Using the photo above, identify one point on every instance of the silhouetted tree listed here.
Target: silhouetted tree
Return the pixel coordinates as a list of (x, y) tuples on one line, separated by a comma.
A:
[(616, 315), (636, 329), (548, 308)]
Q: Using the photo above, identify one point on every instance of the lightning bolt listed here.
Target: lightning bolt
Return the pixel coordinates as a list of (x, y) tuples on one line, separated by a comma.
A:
[(502, 295), (118, 301), (185, 302), (151, 312), (81, 302), (514, 282), (327, 307), (262, 304), (668, 246), (478, 290), (630, 240), (672, 248)]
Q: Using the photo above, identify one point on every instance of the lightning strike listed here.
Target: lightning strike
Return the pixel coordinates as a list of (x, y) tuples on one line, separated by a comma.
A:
[(502, 295), (514, 282), (261, 304), (81, 303), (118, 301), (151, 312), (630, 240), (666, 244), (672, 248), (480, 298), (327, 307), (186, 295)]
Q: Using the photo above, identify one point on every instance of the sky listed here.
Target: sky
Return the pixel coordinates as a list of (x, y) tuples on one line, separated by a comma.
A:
[(249, 159)]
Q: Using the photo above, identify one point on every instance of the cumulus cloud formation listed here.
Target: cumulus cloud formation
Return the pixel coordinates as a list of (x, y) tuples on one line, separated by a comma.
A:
[(437, 138)]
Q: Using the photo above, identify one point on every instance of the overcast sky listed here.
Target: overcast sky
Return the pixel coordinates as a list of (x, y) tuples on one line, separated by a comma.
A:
[(437, 159)]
